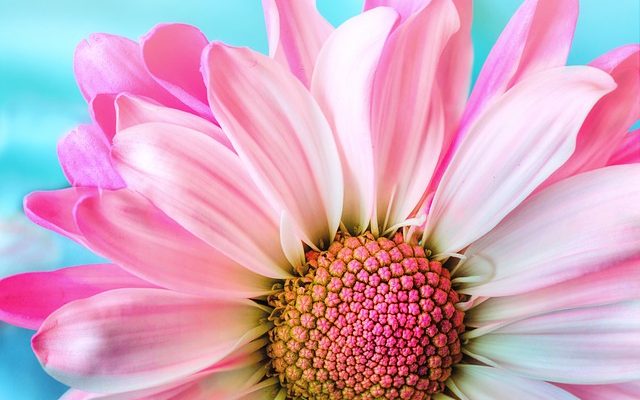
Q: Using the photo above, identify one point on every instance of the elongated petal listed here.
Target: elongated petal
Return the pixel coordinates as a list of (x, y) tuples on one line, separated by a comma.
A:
[(342, 86), (171, 53), (125, 227), (27, 299), (84, 157), (478, 382), (580, 225), (405, 8), (103, 112), (281, 136), (516, 144), (538, 37), (129, 339), (407, 119), (202, 185), (628, 151), (611, 285), (113, 64), (296, 32), (133, 110), (592, 345), (620, 391), (54, 210), (607, 124)]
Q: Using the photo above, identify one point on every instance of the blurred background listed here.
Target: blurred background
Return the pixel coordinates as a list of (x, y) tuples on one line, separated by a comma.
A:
[(39, 102)]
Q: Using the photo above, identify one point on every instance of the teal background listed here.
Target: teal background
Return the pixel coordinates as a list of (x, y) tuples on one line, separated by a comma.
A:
[(39, 101)]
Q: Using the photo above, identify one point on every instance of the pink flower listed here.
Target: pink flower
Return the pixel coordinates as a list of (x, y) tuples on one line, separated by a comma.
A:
[(338, 220)]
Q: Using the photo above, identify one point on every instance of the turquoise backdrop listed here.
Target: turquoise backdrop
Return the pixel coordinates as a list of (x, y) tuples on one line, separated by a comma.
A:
[(39, 101)]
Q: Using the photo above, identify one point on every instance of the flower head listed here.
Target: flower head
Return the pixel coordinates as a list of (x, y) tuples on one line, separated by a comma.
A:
[(338, 221)]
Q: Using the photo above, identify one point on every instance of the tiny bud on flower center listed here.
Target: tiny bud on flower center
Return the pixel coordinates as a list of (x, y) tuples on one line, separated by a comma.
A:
[(370, 318)]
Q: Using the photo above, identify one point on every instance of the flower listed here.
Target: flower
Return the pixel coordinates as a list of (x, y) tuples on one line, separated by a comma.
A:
[(338, 220)]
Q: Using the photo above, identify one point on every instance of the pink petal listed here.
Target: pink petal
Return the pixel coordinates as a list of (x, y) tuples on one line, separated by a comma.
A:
[(405, 8), (629, 150), (130, 339), (407, 118), (515, 145), (103, 112), (281, 136), (342, 86), (125, 227), (620, 391), (202, 185), (54, 210), (73, 394), (296, 32), (611, 285), (84, 157), (171, 53), (580, 225), (133, 110), (479, 382), (113, 64), (607, 124), (27, 299), (592, 345)]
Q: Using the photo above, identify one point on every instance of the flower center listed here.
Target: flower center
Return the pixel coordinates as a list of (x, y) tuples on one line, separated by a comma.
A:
[(372, 318)]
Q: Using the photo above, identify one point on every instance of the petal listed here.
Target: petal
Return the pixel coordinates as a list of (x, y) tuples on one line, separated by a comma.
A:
[(620, 391), (291, 242), (133, 110), (201, 184), (296, 32), (607, 124), (103, 112), (407, 119), (113, 64), (516, 144), (404, 8), (629, 150), (125, 227), (478, 382), (538, 37), (342, 86), (580, 225), (171, 53), (85, 161), (281, 136), (129, 339), (611, 285), (27, 299), (592, 345), (54, 210)]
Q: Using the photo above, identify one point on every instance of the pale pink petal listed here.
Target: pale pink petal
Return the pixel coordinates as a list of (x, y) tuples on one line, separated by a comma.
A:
[(54, 210), (580, 225), (628, 151), (113, 64), (591, 345), (103, 112), (620, 391), (74, 394), (125, 227), (515, 145), (537, 37), (27, 299), (407, 118), (607, 124), (405, 8), (479, 382), (84, 157), (290, 241), (342, 86), (133, 110), (296, 33), (171, 53), (202, 185), (129, 339), (280, 134), (611, 285)]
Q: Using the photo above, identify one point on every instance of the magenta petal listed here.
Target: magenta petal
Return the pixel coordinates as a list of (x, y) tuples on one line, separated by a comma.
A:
[(103, 112), (629, 150), (19, 306), (85, 160)]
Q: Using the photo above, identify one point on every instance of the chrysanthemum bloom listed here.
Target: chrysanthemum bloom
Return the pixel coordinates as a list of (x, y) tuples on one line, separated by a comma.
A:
[(339, 220)]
